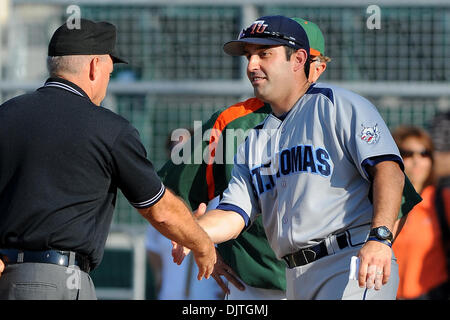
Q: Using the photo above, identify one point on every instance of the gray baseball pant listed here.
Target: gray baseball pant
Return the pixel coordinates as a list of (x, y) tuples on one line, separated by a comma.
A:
[(44, 281)]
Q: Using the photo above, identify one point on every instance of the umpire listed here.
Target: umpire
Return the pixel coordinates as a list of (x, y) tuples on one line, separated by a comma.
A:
[(62, 159)]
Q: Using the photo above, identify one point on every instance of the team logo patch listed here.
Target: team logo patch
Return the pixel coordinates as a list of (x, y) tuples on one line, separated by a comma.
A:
[(370, 134)]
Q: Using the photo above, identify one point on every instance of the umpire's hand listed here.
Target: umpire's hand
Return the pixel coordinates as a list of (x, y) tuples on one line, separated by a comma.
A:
[(202, 259), (205, 260)]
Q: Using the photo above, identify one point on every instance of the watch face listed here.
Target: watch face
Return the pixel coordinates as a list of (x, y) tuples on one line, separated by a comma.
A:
[(383, 232)]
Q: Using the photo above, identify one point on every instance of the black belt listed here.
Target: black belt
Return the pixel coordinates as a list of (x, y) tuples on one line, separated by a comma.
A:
[(313, 253), (58, 257)]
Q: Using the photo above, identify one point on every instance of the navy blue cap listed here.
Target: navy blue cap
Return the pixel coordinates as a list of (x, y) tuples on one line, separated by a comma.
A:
[(270, 30)]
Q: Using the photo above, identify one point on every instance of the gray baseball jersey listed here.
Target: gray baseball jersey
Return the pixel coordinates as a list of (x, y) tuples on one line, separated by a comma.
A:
[(306, 173)]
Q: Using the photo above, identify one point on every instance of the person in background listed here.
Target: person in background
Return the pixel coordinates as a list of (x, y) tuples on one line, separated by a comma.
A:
[(419, 247), (440, 134)]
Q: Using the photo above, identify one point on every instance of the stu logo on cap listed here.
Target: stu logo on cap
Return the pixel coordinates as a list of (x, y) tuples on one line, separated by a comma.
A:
[(269, 31), (258, 27)]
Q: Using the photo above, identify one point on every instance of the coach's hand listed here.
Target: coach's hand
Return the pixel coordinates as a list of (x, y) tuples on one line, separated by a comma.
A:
[(222, 269), (375, 265)]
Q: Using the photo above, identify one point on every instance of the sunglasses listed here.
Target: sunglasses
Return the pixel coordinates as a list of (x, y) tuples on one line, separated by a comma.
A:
[(409, 153), (264, 33)]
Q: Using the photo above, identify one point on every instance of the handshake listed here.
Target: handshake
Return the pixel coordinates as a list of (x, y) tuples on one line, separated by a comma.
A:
[(220, 226), (205, 258)]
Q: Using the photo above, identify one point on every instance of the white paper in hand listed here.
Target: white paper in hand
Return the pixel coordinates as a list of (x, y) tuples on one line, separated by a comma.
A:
[(354, 268)]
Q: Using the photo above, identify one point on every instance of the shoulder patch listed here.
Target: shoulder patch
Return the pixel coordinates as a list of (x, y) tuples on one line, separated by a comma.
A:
[(369, 133)]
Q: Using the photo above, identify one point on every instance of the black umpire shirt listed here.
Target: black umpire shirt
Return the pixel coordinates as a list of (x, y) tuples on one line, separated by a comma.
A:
[(62, 159)]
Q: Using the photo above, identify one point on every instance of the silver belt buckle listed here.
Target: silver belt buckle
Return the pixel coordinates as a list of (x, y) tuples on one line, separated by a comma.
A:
[(306, 257)]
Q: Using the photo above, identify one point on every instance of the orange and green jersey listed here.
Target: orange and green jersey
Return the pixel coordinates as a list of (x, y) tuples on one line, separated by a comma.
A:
[(249, 255)]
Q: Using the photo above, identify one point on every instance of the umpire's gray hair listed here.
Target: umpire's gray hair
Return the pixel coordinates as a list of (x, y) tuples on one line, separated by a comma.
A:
[(66, 64), (73, 64)]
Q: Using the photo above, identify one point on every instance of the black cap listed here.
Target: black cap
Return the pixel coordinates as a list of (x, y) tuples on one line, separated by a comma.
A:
[(91, 38), (270, 30)]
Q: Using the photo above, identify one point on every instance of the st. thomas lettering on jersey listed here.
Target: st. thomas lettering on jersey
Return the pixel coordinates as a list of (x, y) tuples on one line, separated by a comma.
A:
[(298, 159)]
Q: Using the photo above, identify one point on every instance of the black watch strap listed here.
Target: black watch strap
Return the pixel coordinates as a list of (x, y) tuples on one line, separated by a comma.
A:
[(375, 233)]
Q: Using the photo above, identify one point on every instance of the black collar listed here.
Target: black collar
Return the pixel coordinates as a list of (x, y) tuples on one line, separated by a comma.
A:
[(65, 85)]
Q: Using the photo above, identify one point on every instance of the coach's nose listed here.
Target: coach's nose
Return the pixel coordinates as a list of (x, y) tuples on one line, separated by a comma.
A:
[(253, 63)]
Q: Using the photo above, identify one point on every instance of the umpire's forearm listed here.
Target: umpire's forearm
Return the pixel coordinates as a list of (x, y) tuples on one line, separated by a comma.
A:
[(388, 182), (171, 217)]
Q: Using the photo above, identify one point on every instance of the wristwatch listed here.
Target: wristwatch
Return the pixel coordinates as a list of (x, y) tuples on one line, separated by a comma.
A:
[(381, 234)]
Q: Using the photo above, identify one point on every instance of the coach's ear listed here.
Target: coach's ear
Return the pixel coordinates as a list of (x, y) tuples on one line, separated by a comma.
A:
[(300, 59)]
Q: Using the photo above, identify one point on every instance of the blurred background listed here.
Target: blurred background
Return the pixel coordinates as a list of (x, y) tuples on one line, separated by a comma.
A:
[(179, 74)]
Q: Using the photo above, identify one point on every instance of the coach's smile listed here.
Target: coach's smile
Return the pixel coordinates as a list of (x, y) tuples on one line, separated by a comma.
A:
[(257, 79)]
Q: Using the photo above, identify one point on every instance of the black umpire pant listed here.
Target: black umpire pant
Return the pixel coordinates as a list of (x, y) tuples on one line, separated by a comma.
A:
[(44, 281)]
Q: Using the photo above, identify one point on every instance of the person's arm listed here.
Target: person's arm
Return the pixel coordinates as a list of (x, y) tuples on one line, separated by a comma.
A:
[(375, 257), (172, 218)]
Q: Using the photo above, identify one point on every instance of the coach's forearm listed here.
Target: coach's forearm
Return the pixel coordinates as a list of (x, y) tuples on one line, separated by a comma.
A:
[(222, 225), (388, 182)]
